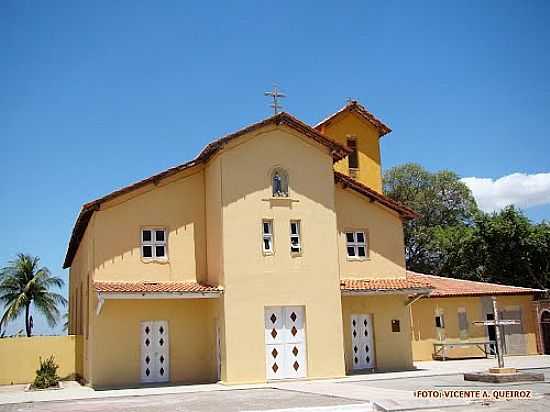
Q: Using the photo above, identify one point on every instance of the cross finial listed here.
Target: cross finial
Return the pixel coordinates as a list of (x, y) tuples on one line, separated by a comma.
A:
[(275, 94)]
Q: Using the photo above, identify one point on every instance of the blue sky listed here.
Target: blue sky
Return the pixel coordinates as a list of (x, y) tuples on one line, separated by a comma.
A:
[(96, 95)]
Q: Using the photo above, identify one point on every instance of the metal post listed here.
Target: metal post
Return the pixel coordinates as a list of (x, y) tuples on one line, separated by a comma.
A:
[(499, 337)]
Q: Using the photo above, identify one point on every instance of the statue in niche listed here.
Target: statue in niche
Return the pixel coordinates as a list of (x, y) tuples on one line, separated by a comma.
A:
[(280, 184)]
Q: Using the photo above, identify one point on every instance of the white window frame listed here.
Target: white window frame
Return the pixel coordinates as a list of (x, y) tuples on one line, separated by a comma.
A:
[(267, 236), (297, 235), (356, 244), (154, 243)]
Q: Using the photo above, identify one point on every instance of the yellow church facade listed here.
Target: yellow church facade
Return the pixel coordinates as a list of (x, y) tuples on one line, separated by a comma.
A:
[(271, 255)]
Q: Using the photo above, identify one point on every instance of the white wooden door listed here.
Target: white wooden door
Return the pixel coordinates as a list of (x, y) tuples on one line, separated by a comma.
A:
[(285, 342), (362, 341), (155, 353)]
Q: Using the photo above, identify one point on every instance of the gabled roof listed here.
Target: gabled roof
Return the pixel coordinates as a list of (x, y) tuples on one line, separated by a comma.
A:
[(353, 106), (348, 182), (337, 151), (390, 285), (447, 287)]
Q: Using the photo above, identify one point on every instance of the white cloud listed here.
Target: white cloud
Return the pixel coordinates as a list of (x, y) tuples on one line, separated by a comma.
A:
[(519, 189)]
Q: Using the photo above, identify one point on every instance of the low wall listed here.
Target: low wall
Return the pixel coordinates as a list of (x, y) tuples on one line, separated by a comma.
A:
[(19, 357)]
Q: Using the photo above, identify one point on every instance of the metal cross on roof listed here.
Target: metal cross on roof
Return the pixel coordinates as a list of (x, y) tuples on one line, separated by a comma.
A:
[(275, 94), (497, 323)]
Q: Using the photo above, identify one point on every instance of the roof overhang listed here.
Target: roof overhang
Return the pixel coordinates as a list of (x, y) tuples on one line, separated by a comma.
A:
[(347, 182), (103, 296), (407, 291)]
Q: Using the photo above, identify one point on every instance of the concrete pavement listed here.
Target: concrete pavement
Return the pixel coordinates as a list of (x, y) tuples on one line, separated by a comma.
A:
[(355, 388)]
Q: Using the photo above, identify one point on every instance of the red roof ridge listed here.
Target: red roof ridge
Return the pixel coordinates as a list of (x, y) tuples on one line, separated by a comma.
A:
[(353, 106), (403, 210)]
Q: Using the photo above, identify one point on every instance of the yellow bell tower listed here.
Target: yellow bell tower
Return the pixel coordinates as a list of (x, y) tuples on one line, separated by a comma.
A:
[(357, 128)]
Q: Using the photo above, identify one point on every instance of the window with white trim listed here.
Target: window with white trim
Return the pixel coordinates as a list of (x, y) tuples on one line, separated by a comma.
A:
[(295, 233), (153, 244), (267, 236), (356, 245)]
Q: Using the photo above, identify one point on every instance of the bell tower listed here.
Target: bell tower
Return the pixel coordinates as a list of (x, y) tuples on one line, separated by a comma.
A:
[(358, 129)]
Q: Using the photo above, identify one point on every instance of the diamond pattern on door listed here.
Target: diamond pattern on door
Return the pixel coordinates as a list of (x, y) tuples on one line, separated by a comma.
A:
[(362, 341), (285, 342), (155, 365)]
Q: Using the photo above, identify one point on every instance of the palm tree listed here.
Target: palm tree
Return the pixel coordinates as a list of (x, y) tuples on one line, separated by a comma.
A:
[(24, 282)]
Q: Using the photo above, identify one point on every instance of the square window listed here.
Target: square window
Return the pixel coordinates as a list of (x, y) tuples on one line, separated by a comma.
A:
[(146, 235), (147, 251), (356, 245), (153, 244)]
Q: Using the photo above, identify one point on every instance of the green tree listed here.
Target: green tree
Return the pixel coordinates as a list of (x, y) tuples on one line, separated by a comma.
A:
[(512, 249), (22, 283), (447, 209)]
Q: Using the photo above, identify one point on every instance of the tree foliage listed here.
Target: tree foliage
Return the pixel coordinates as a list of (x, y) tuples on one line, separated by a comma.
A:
[(446, 209), (454, 238), (24, 282)]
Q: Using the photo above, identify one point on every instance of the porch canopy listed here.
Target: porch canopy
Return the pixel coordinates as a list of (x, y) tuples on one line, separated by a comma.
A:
[(153, 290), (401, 286)]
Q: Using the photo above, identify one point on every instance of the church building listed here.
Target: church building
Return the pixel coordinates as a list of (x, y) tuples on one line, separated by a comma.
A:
[(271, 255)]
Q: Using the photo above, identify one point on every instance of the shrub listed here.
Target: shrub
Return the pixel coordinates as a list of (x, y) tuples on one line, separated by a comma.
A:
[(46, 374)]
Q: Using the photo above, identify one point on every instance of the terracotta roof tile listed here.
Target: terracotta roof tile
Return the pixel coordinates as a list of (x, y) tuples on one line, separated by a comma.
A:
[(381, 285), (153, 287), (457, 287)]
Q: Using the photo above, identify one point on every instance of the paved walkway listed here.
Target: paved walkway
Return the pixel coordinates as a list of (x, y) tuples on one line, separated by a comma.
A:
[(330, 387)]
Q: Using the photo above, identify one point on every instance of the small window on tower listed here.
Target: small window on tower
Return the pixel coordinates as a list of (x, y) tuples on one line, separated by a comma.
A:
[(353, 159)]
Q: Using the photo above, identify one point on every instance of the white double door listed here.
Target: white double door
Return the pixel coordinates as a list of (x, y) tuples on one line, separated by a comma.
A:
[(285, 342), (362, 341), (155, 352)]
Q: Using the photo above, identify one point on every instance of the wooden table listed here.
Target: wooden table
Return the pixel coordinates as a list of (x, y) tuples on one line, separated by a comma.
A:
[(487, 347)]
